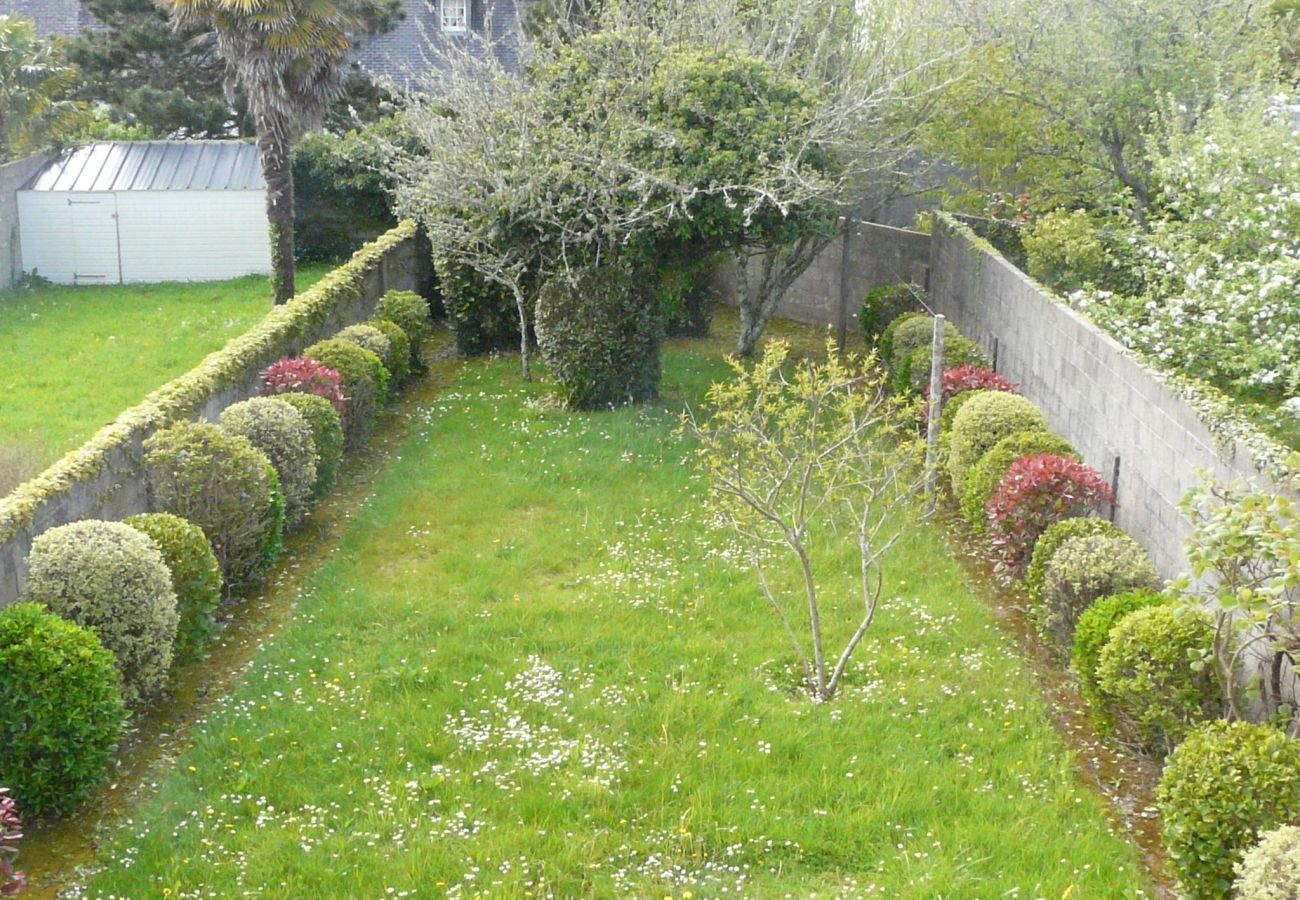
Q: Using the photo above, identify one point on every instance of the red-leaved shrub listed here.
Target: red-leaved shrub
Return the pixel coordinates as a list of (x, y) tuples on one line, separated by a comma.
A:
[(11, 831), (303, 376), (968, 378), (1036, 492)]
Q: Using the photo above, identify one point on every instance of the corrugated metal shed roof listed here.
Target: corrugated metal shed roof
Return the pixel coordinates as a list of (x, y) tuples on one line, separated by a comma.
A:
[(154, 166)]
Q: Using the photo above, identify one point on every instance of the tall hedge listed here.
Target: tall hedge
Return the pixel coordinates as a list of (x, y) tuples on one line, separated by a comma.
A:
[(482, 315)]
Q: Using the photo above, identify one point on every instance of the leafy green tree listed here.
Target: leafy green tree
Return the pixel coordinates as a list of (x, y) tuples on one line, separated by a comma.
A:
[(34, 84)]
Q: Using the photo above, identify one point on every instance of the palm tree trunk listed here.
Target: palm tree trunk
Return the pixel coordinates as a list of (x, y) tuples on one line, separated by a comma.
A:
[(278, 173)]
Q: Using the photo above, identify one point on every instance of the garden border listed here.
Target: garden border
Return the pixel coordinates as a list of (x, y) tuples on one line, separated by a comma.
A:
[(104, 478)]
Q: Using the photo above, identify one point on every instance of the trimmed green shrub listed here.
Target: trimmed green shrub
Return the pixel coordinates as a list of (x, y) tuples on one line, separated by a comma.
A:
[(950, 409), (885, 346), (110, 578), (1093, 631), (885, 304), (398, 360), (365, 385), (280, 431), (368, 337), (1051, 540), (61, 710), (1226, 784), (326, 434), (984, 477), (917, 333), (224, 485), (984, 420), (410, 312), (914, 373), (482, 315), (196, 576), (599, 335), (1083, 570), (1270, 870), (1153, 673)]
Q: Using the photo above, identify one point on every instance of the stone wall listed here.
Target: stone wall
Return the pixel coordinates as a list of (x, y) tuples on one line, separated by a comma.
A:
[(12, 176), (115, 488), (1112, 408)]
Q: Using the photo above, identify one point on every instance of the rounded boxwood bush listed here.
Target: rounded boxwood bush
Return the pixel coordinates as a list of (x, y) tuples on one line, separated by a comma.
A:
[(985, 476), (978, 426), (368, 337), (226, 486), (1270, 870), (1093, 631), (327, 436), (280, 431), (365, 385), (884, 304), (913, 375), (110, 578), (599, 334), (885, 345), (398, 360), (1085, 569), (410, 312), (914, 333), (1153, 673), (1224, 786), (61, 710), (1050, 541), (196, 576)]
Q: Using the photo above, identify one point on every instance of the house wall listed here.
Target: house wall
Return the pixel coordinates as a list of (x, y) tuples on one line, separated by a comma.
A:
[(12, 176)]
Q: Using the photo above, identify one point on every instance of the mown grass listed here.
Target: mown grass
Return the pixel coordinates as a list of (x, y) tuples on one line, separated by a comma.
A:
[(532, 667), (72, 358)]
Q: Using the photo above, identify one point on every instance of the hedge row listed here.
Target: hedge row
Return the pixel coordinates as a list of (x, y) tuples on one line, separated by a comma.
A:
[(1230, 790)]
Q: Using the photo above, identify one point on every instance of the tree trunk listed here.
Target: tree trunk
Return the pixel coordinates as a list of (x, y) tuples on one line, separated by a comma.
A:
[(522, 306), (277, 170)]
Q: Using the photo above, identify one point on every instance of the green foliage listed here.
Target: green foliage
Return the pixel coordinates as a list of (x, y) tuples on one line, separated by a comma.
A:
[(326, 433), (364, 380), (341, 192), (368, 337), (410, 312), (195, 576), (885, 346), (61, 711), (482, 315), (1226, 784), (599, 335), (1063, 250), (1093, 631), (1084, 569), (1153, 673), (985, 476), (913, 374), (278, 430), (398, 360), (110, 578), (1051, 540), (1270, 870), (982, 421), (34, 81), (224, 485), (950, 409), (885, 304), (912, 333), (687, 293)]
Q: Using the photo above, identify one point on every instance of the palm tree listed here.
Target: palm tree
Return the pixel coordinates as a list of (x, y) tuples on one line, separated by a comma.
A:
[(287, 57), (33, 79)]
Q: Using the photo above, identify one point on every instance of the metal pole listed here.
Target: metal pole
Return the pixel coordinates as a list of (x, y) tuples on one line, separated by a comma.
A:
[(936, 409)]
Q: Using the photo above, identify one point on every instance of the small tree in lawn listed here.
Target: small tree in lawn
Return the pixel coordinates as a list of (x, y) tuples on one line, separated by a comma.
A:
[(791, 455)]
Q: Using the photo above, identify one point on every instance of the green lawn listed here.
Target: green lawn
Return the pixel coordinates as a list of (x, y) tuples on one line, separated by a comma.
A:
[(72, 358), (532, 668)]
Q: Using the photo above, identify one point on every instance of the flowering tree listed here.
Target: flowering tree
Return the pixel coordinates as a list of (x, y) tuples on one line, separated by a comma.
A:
[(789, 456)]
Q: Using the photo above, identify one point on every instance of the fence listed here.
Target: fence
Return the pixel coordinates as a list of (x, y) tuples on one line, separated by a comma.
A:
[(104, 479), (1123, 419), (13, 175)]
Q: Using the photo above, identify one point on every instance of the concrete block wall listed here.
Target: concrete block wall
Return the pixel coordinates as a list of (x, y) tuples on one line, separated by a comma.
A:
[(1093, 393), (119, 489), (12, 176)]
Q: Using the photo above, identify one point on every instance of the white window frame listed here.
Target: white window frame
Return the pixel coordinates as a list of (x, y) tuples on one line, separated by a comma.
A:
[(453, 16)]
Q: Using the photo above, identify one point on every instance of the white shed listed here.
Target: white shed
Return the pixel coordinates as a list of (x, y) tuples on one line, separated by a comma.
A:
[(124, 211)]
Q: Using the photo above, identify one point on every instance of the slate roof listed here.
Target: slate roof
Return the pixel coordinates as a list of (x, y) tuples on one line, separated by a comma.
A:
[(403, 52), (53, 18), (153, 166)]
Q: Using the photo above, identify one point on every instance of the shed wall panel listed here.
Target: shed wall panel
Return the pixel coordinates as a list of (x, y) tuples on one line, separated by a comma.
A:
[(46, 235), (192, 235)]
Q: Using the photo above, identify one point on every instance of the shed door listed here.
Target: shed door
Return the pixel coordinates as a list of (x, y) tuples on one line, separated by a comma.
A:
[(94, 239)]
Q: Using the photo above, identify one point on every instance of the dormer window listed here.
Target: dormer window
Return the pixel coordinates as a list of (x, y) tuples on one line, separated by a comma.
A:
[(453, 16)]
